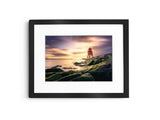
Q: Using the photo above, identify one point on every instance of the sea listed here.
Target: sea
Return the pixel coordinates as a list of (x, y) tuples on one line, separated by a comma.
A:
[(63, 63)]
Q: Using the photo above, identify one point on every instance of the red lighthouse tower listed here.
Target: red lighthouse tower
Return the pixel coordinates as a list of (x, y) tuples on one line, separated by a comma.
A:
[(90, 53)]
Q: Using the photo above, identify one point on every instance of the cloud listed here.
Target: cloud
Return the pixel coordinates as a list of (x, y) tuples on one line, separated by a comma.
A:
[(55, 52), (78, 52), (66, 47), (84, 39), (103, 45), (60, 54), (87, 39), (58, 41)]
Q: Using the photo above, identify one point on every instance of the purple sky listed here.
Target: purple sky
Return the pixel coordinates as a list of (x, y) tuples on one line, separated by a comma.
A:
[(70, 47)]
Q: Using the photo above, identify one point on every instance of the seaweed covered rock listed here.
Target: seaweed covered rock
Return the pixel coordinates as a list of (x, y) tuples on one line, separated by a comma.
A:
[(81, 64), (77, 63), (70, 77), (101, 71), (91, 62), (102, 76), (95, 69), (49, 73), (54, 69), (84, 77), (86, 69), (58, 75)]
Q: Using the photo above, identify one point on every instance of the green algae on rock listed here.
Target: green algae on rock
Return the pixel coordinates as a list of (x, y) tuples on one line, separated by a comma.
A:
[(94, 69)]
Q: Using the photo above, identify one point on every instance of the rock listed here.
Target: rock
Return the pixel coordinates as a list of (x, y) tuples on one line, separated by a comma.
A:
[(84, 77), (102, 76), (91, 62), (70, 77), (58, 66), (54, 69), (58, 75), (49, 73), (69, 68), (80, 64), (77, 63), (95, 69)]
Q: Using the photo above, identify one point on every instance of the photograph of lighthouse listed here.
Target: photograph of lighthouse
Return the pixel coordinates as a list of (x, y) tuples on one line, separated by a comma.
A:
[(78, 58)]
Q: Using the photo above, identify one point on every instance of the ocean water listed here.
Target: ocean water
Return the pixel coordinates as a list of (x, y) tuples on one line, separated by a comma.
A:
[(63, 63)]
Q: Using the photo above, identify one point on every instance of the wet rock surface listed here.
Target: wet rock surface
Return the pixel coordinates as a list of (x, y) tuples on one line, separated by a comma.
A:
[(95, 69)]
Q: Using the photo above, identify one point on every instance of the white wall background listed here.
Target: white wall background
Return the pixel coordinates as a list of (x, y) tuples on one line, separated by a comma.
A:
[(144, 101)]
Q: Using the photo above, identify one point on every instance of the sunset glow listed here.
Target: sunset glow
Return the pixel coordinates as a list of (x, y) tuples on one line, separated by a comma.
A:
[(75, 47)]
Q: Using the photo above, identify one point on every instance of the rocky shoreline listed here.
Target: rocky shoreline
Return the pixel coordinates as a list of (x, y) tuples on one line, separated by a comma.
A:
[(98, 68)]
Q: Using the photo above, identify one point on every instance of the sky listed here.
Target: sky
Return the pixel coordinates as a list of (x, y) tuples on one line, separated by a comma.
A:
[(76, 47)]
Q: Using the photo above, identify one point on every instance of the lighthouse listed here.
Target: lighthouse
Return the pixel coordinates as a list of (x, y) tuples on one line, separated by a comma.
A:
[(90, 53)]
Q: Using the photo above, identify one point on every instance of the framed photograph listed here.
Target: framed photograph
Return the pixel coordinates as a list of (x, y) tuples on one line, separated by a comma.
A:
[(78, 59)]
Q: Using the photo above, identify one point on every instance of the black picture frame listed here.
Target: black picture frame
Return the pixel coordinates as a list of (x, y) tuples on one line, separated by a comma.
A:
[(125, 94)]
